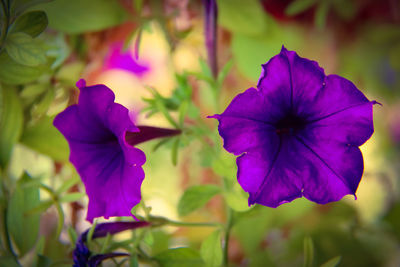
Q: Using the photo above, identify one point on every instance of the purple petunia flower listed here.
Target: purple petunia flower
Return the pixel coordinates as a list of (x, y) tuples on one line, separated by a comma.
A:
[(97, 130), (297, 133)]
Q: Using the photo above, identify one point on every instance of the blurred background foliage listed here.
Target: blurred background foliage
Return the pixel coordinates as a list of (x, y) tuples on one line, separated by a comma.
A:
[(46, 46)]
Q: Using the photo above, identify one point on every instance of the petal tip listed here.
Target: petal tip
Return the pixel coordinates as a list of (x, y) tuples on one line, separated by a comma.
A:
[(81, 83)]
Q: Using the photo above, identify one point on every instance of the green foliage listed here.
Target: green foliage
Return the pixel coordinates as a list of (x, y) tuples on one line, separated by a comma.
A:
[(242, 17), (24, 198), (25, 50), (196, 197), (14, 73), (299, 6), (8, 261), (308, 252), (79, 16), (211, 250), (32, 23), (11, 122), (332, 262), (45, 138), (179, 257)]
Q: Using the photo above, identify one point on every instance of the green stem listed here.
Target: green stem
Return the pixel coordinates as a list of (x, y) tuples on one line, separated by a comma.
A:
[(229, 225), (162, 221)]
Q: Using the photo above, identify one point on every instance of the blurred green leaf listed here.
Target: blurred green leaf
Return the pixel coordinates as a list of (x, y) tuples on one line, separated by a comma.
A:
[(43, 206), (71, 197), (12, 72), (237, 199), (196, 197), (33, 90), (70, 73), (43, 261), (308, 252), (179, 257), (43, 105), (67, 184), (25, 50), (138, 4), (332, 262), (19, 6), (23, 228), (133, 262), (45, 138), (321, 14), (79, 16), (224, 72), (211, 250), (246, 17), (11, 122), (32, 23), (174, 151), (299, 6), (8, 261), (345, 9)]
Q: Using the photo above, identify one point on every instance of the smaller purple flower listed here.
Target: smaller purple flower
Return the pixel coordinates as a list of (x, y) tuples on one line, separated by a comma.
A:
[(298, 133), (119, 59), (83, 257), (109, 165)]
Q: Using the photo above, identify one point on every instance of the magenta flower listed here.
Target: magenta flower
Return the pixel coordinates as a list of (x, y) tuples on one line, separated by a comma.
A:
[(297, 133), (110, 167), (119, 59)]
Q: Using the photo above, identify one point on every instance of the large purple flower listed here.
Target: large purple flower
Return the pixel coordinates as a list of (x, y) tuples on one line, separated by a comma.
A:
[(101, 137), (297, 133)]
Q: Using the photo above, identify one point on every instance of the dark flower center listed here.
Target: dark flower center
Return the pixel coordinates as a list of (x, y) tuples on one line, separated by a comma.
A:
[(289, 125)]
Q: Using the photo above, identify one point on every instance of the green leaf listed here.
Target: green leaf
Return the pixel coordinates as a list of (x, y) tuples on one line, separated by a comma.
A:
[(70, 73), (43, 206), (179, 257), (138, 4), (308, 252), (43, 261), (11, 122), (250, 52), (321, 14), (43, 105), (72, 197), (196, 197), (32, 23), (8, 261), (33, 90), (23, 228), (67, 184), (298, 6), (19, 6), (174, 151), (211, 250), (79, 16), (237, 199), (332, 262), (246, 17), (45, 138), (12, 72), (224, 72), (25, 50)]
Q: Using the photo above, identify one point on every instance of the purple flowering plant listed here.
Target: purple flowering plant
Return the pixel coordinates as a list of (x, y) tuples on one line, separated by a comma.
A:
[(223, 184), (298, 133)]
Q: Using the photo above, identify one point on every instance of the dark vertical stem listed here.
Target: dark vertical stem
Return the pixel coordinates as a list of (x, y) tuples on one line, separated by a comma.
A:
[(210, 31)]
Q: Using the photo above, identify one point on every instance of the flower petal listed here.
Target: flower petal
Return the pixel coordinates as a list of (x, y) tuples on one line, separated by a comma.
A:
[(281, 179), (244, 125), (333, 170), (337, 95)]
